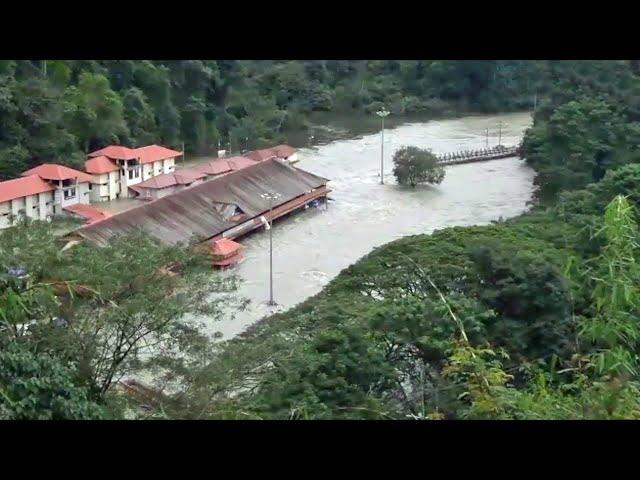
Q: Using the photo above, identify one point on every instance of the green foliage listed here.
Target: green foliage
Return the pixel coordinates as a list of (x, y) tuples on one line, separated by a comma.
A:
[(413, 165), (55, 110), (577, 145), (95, 112), (107, 312), (604, 382), (139, 117), (39, 387), (531, 299), (334, 377)]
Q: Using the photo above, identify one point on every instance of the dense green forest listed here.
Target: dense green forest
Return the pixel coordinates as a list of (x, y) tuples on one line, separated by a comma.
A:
[(58, 110), (534, 317)]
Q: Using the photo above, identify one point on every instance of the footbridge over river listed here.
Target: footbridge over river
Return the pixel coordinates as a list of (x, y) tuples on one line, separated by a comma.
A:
[(482, 155)]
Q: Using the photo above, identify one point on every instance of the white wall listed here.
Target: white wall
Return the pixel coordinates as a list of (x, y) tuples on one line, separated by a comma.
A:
[(5, 212), (98, 191), (114, 185), (45, 201), (125, 181), (169, 165), (83, 192), (147, 171), (37, 207)]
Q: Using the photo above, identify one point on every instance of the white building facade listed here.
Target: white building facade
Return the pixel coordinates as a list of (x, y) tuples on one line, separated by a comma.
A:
[(116, 168), (41, 193)]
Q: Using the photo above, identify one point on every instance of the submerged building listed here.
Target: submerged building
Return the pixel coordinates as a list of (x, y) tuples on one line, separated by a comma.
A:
[(225, 207), (283, 152)]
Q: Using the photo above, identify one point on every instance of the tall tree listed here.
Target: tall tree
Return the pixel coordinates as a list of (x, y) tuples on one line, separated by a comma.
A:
[(95, 112)]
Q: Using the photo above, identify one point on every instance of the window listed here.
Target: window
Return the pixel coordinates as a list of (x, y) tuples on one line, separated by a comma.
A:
[(90, 186), (130, 174), (69, 193)]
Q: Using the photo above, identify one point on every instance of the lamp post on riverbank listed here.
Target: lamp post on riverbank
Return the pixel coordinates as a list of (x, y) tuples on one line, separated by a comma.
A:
[(271, 196), (382, 114)]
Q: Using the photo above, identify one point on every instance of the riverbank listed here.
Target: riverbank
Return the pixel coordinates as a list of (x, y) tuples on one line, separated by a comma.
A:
[(328, 127)]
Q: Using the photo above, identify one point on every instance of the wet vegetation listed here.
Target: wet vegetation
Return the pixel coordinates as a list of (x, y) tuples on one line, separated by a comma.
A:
[(534, 317), (57, 110)]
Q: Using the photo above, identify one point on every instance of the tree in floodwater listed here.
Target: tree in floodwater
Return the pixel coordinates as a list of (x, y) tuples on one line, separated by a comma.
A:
[(413, 165)]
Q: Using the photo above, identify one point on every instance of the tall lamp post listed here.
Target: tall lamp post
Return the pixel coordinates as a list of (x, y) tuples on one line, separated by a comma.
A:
[(271, 196), (382, 114)]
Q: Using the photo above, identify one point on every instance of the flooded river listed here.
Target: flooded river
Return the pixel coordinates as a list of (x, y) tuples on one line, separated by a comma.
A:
[(312, 247)]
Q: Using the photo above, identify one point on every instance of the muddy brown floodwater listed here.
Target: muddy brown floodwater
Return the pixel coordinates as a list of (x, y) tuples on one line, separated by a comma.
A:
[(312, 247)]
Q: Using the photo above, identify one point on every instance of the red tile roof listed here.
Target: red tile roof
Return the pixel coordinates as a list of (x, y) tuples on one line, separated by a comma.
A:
[(225, 247), (237, 163), (99, 165), (150, 153), (218, 166), (181, 177), (23, 186), (117, 152), (153, 153), (88, 212), (284, 151), (280, 151), (52, 171)]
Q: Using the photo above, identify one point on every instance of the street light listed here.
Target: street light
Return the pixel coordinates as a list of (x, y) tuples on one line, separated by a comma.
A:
[(271, 196), (382, 114)]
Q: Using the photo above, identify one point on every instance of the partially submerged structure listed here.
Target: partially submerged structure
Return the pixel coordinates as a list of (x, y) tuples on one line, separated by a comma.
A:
[(225, 207), (223, 252), (221, 166), (283, 152), (168, 183)]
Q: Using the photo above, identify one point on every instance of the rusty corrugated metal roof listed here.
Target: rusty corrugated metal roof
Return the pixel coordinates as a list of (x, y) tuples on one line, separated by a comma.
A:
[(189, 215)]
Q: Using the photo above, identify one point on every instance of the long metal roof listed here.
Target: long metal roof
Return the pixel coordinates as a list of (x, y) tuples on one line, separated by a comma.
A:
[(189, 215)]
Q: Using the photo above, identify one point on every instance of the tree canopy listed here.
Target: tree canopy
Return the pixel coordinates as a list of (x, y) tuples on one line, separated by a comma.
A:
[(413, 165), (56, 110)]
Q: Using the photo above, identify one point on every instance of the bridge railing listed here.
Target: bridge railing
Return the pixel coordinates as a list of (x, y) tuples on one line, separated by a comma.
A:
[(476, 154)]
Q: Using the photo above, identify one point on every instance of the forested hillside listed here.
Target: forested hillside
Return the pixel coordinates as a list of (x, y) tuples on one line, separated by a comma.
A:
[(57, 110)]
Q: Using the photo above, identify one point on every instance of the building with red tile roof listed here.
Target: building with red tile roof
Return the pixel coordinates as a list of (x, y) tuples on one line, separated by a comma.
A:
[(116, 152), (42, 192), (22, 187), (71, 186), (99, 165), (283, 152), (168, 183), (154, 153), (88, 212), (117, 168), (225, 252), (29, 196), (220, 166), (55, 172)]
